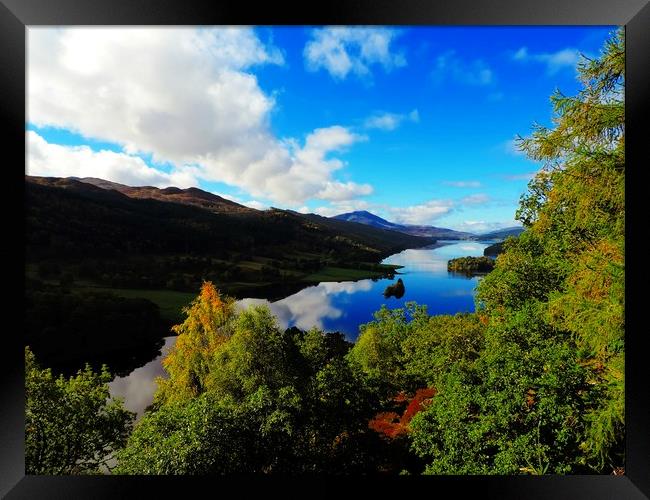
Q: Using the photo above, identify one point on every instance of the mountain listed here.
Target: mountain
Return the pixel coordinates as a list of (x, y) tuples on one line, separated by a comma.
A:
[(190, 196), (70, 218), (367, 218), (364, 217), (502, 234)]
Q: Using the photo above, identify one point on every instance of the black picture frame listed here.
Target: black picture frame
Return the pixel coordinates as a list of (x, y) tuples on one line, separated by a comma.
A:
[(16, 15)]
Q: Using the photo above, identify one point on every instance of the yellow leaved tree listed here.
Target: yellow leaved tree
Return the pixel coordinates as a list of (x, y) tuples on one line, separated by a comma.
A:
[(207, 327)]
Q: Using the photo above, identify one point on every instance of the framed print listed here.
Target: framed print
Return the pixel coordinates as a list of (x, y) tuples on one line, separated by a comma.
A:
[(368, 244)]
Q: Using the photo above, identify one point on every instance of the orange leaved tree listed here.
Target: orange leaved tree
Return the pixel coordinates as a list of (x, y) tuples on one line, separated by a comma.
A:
[(205, 330)]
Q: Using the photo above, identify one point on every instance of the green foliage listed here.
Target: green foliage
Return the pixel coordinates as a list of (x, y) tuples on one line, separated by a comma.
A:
[(377, 352), (441, 342), (71, 425), (243, 395), (582, 225), (211, 435), (258, 354), (523, 272), (208, 325), (533, 382), (515, 409)]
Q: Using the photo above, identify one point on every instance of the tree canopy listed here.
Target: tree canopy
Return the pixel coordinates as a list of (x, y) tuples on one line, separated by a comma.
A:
[(72, 426)]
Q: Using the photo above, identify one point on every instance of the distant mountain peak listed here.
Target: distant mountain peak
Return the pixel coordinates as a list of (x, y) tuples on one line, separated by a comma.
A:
[(370, 219), (361, 214)]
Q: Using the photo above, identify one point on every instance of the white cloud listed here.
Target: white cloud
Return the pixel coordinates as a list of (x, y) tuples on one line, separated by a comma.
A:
[(184, 96), (554, 61), (390, 121), (475, 199), (481, 226), (339, 191), (422, 214), (386, 121), (463, 184), (449, 65), (53, 160), (345, 50), (256, 204)]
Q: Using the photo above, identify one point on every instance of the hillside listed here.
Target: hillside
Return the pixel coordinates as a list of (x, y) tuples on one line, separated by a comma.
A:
[(150, 238), (502, 234), (190, 196), (369, 219)]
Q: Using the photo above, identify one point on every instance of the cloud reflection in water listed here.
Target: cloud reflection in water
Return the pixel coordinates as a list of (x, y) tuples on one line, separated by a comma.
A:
[(310, 306)]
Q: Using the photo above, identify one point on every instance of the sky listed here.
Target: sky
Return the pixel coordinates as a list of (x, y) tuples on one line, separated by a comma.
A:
[(414, 124)]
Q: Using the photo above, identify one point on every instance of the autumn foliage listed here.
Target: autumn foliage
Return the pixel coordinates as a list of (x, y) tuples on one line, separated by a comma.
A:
[(207, 326), (391, 424)]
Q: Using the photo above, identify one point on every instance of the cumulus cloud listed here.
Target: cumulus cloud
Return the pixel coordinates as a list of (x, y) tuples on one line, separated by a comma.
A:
[(421, 214), (463, 184), (54, 160), (339, 191), (450, 65), (390, 121), (184, 96), (351, 50), (554, 61)]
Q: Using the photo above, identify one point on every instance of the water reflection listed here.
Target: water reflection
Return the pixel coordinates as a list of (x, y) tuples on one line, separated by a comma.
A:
[(138, 387), (311, 306), (344, 306), (418, 260)]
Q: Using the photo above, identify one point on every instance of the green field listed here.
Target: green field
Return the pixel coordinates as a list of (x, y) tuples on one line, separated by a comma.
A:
[(170, 302)]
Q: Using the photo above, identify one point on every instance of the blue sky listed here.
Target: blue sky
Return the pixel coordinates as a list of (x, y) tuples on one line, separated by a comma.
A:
[(412, 123)]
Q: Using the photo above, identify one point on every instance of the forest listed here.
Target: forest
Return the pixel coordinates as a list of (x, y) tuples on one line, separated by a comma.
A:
[(532, 382)]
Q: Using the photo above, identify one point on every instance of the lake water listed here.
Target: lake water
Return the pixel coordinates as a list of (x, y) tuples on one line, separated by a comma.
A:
[(344, 306)]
